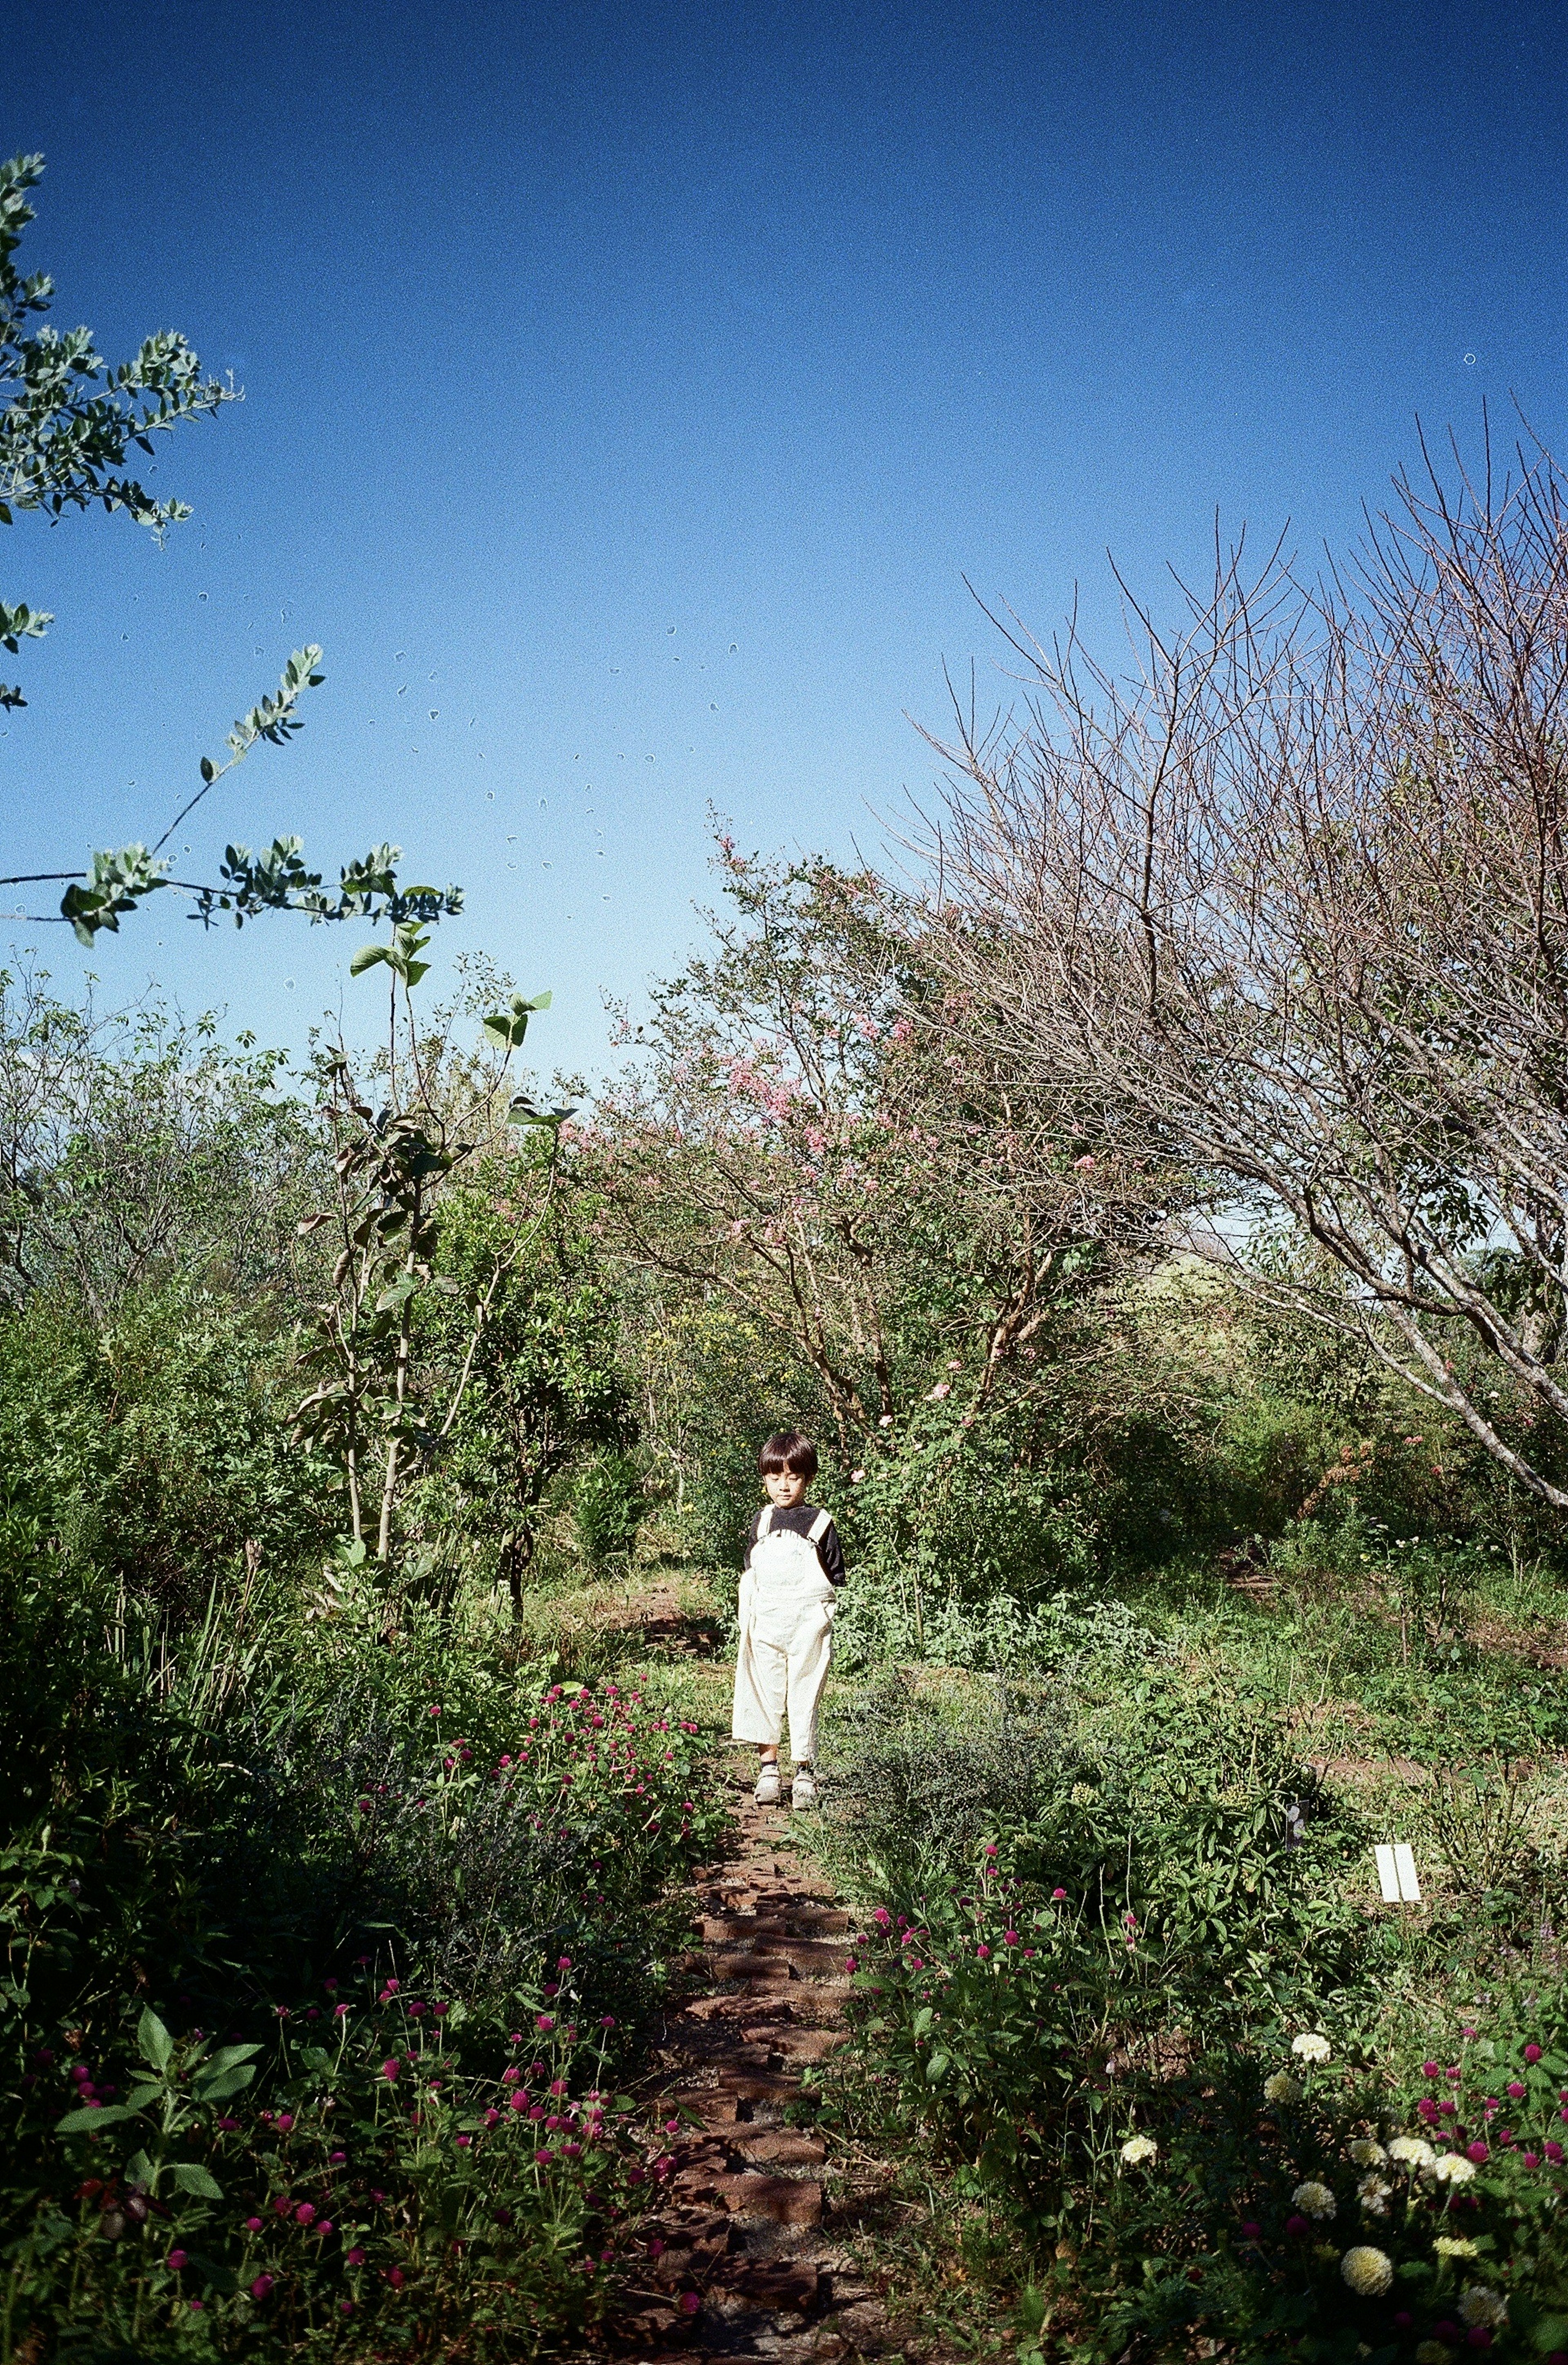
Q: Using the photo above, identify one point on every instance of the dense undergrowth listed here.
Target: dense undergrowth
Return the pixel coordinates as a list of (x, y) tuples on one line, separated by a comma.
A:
[(1129, 1984), (325, 1949)]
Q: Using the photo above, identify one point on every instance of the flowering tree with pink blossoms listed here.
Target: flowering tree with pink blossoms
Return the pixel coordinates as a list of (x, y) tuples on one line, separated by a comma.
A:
[(795, 1138)]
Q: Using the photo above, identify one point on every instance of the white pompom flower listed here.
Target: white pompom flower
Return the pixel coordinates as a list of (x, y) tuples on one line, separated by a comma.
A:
[(1281, 2088), (1452, 2167), (1365, 2152), (1412, 2151), (1137, 2149), (1368, 2271), (1311, 2047), (1314, 2200), (1479, 2304), (1372, 2193)]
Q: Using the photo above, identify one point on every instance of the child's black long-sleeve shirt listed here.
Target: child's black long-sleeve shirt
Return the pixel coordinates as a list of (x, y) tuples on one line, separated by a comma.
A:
[(800, 1523)]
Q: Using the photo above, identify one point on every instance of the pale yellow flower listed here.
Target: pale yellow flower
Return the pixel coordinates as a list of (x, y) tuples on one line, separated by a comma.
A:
[(1315, 2199), (1310, 2047), (1453, 2246), (1410, 2151), (1137, 2149), (1369, 2272), (1365, 2152), (1281, 2088), (1479, 2305), (1453, 2167), (1432, 2352), (1372, 2193)]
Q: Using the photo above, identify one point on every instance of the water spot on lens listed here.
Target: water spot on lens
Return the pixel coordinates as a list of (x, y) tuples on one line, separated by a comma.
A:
[(403, 690), (1470, 361), (434, 711), (289, 984), (733, 647), (712, 706), (201, 595), (670, 628), (489, 796)]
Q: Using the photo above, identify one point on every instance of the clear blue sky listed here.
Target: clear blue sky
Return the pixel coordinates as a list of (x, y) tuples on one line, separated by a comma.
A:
[(628, 390)]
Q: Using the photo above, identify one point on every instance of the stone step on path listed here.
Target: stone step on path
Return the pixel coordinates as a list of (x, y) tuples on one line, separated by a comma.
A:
[(741, 2257)]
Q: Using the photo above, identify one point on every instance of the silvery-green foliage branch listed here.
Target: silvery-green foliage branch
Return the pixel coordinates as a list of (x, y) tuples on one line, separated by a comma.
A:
[(70, 425), (72, 420)]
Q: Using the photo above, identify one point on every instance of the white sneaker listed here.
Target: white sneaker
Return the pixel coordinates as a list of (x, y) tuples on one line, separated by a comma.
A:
[(767, 1792), (803, 1789)]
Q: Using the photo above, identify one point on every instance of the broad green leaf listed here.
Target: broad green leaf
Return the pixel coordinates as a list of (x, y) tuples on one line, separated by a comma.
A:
[(154, 2039), (191, 2177), (218, 2086), (139, 2170), (77, 2123), (937, 2069), (366, 958), (228, 2056)]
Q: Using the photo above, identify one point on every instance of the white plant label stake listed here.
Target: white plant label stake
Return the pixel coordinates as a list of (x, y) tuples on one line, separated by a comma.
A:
[(1397, 1872)]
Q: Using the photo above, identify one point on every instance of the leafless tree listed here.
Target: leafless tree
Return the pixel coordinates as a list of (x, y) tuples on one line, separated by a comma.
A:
[(1290, 899)]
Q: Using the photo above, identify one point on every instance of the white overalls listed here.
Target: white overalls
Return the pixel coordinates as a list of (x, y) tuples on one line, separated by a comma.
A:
[(785, 1638)]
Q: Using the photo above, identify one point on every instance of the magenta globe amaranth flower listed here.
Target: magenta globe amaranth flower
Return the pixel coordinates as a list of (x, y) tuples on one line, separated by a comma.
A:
[(261, 2287)]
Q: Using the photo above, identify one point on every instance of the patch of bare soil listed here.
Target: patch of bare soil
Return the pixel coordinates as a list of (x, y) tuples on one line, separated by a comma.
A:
[(1545, 1645)]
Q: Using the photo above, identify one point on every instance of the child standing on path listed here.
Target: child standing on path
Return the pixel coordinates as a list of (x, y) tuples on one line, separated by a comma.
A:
[(793, 1566)]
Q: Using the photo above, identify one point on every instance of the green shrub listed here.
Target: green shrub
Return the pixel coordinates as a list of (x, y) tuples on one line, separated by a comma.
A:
[(470, 1910), (608, 1504)]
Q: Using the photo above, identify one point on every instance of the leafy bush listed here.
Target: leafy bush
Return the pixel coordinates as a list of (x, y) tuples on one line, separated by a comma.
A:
[(1281, 2203), (153, 1448), (387, 2184), (609, 1504), (1108, 1936), (212, 1824)]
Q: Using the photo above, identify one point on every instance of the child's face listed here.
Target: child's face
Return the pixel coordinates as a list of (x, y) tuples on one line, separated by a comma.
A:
[(785, 1489)]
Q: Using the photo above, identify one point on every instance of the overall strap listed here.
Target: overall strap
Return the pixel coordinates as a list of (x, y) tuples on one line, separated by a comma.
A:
[(820, 1527), (764, 1522)]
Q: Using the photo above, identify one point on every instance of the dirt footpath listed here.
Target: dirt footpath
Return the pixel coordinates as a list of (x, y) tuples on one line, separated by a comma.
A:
[(753, 2250)]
